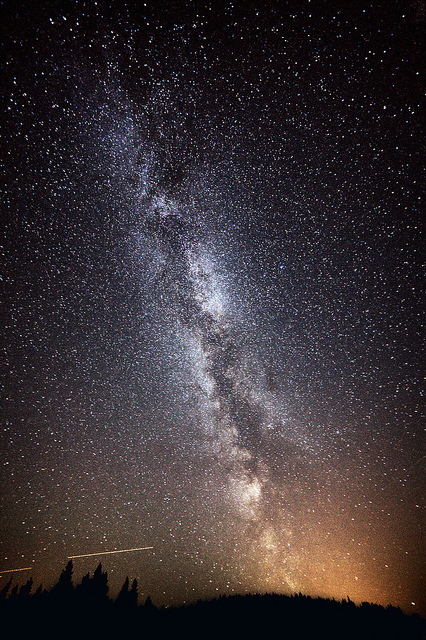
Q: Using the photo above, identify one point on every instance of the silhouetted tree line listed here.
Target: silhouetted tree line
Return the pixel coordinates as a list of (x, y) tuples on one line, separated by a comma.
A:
[(85, 611)]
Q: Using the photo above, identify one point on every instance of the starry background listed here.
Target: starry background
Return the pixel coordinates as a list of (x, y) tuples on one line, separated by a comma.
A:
[(212, 297)]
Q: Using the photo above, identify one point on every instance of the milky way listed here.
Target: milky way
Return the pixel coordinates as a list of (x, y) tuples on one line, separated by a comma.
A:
[(213, 269)]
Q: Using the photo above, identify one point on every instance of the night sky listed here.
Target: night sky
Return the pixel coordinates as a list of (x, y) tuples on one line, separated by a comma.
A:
[(213, 297)]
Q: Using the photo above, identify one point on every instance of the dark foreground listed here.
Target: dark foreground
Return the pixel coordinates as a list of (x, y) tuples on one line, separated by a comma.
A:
[(85, 612)]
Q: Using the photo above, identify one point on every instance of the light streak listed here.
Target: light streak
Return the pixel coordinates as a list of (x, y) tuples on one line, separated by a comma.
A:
[(12, 570), (105, 553)]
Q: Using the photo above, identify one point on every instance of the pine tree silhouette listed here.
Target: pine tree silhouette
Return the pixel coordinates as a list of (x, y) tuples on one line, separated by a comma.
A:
[(25, 591), (4, 591), (63, 590), (148, 603), (100, 586), (123, 595), (65, 579), (14, 593), (133, 595)]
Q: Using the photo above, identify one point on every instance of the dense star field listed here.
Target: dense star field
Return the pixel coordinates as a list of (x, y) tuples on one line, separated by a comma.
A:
[(213, 297)]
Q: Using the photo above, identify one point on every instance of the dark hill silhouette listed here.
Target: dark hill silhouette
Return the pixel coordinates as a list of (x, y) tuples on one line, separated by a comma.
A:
[(85, 612)]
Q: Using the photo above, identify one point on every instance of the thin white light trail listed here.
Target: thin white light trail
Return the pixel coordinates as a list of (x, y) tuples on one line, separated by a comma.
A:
[(13, 570), (105, 553)]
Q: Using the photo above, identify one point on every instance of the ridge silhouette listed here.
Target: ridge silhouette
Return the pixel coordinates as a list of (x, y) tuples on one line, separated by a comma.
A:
[(86, 612)]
